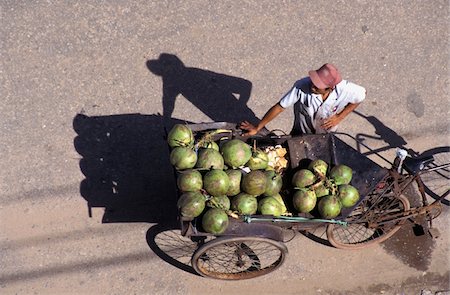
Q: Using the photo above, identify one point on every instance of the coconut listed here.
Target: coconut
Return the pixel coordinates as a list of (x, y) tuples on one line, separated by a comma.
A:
[(258, 160), (221, 202), (274, 183), (189, 181), (236, 153), (191, 204), (215, 221), (209, 145), (216, 182), (303, 178), (235, 177), (180, 135), (321, 189), (329, 207), (279, 198), (183, 158), (341, 174), (270, 206), (254, 182), (319, 167), (304, 200), (348, 195), (209, 159), (244, 204)]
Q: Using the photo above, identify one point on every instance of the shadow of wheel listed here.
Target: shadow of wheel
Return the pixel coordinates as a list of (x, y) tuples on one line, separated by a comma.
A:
[(175, 249)]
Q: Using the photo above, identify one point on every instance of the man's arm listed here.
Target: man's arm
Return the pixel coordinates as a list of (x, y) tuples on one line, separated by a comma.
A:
[(269, 116), (336, 119)]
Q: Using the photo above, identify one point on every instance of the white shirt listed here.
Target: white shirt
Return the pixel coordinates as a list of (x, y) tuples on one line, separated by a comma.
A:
[(309, 108)]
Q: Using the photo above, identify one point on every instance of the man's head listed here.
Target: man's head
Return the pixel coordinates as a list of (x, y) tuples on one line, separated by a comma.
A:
[(325, 78)]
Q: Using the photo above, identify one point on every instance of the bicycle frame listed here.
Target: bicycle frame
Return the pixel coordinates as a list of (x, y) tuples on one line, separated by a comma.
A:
[(401, 182)]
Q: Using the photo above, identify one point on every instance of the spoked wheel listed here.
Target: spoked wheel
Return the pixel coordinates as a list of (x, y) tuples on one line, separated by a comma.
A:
[(365, 225), (437, 181), (238, 258)]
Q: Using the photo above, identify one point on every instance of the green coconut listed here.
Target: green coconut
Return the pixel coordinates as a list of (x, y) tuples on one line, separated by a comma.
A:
[(319, 167), (236, 153), (180, 135), (209, 159), (244, 204), (303, 178), (221, 202), (215, 221), (348, 195), (258, 161), (216, 182), (329, 206), (270, 206), (304, 200), (235, 177), (341, 174), (183, 158), (189, 180), (191, 204), (254, 182), (274, 183)]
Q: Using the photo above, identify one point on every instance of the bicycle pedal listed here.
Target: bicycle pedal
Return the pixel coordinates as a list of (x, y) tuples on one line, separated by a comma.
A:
[(434, 233)]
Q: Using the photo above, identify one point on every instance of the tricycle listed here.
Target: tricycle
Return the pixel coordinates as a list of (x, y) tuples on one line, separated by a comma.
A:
[(254, 245)]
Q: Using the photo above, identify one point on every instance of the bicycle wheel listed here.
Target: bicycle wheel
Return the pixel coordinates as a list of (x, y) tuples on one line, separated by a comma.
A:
[(363, 229), (238, 258), (437, 182)]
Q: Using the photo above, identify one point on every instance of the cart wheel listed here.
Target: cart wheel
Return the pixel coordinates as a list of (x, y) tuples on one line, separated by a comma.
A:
[(437, 182), (238, 258), (359, 233)]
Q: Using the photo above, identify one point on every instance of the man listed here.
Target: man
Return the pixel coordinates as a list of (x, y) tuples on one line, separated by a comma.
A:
[(321, 101)]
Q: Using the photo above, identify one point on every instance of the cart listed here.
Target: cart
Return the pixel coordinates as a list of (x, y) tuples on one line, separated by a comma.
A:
[(255, 245)]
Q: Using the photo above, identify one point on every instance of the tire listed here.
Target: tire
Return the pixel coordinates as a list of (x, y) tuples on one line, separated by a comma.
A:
[(238, 258), (437, 182), (358, 233)]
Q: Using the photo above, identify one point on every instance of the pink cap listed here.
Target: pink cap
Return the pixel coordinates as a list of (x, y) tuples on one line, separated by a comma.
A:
[(326, 77)]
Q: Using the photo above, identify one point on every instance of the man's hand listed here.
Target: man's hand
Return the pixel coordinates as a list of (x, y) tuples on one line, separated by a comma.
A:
[(250, 128), (331, 122)]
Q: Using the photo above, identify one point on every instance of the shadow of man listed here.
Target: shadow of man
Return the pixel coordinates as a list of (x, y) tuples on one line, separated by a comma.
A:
[(220, 97)]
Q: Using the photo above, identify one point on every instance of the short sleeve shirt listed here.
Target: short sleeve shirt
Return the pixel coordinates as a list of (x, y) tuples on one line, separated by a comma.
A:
[(310, 109)]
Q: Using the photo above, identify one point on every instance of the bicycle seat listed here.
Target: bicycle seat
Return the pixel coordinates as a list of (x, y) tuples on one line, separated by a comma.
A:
[(414, 165)]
